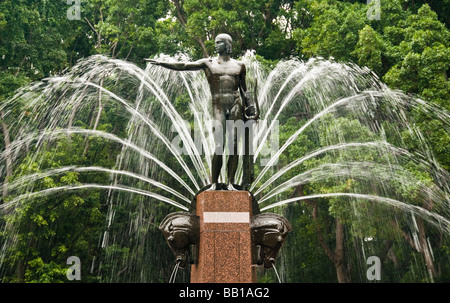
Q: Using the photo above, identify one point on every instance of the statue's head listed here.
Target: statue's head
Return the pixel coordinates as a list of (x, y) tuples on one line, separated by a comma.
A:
[(227, 40)]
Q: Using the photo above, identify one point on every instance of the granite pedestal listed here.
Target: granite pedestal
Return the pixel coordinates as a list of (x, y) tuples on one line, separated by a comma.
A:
[(225, 246)]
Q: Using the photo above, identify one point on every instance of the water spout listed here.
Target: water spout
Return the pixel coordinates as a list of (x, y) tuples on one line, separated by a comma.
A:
[(434, 218), (58, 189)]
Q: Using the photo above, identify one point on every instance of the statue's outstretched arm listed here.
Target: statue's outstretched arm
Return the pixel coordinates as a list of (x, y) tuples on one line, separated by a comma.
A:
[(180, 66)]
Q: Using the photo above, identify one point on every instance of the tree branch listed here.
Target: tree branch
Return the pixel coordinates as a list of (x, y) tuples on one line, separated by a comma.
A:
[(183, 21), (95, 31)]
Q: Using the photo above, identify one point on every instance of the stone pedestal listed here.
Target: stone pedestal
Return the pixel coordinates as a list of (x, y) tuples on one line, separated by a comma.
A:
[(225, 246)]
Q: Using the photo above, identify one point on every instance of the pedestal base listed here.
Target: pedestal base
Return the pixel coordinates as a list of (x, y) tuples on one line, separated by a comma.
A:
[(225, 246)]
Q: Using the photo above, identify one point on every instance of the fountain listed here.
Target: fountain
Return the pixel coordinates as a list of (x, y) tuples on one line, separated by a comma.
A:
[(321, 123), (226, 218)]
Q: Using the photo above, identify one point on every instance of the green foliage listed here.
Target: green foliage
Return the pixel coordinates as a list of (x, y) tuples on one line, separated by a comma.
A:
[(125, 29), (35, 39), (424, 50), (70, 221), (369, 49), (263, 26), (333, 31), (40, 272)]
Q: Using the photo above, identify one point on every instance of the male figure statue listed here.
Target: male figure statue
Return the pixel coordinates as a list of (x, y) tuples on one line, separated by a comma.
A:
[(230, 99)]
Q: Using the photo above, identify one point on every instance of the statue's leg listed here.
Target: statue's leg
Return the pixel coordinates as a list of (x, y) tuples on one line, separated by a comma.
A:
[(233, 159), (219, 142)]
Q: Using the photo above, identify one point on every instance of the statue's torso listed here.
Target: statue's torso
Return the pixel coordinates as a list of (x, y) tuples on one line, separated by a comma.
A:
[(224, 81)]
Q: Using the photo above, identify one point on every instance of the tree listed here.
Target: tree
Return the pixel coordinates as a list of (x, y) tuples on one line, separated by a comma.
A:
[(35, 42), (369, 49), (408, 51), (423, 60), (70, 221), (333, 32), (125, 29), (423, 56), (250, 23), (34, 39)]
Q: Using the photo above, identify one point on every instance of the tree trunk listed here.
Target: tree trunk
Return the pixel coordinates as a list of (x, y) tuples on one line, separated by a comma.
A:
[(8, 158), (181, 16), (424, 248), (338, 255), (342, 273), (339, 261), (20, 270), (76, 106)]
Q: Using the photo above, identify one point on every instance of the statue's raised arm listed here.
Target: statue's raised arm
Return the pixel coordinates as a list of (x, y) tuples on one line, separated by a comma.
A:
[(180, 66)]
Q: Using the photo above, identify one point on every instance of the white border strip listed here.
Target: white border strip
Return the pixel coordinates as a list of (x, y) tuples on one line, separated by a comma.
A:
[(226, 217)]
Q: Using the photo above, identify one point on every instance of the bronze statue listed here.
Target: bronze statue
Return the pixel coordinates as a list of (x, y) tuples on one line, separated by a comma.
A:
[(230, 99)]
